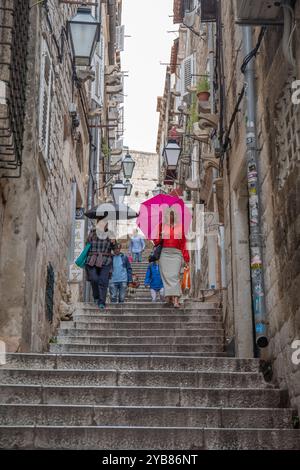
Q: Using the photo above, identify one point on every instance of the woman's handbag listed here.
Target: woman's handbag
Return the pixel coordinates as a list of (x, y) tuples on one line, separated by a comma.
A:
[(81, 260), (186, 280)]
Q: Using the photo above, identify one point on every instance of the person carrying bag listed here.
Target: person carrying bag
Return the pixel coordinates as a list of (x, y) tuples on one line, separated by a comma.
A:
[(186, 280)]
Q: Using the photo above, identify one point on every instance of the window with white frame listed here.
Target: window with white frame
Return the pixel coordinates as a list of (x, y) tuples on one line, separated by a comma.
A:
[(187, 74)]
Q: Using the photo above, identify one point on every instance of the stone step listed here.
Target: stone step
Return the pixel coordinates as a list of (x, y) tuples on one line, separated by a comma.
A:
[(67, 331), (159, 438), (140, 340), (72, 339), (144, 318), (146, 396), (138, 438), (129, 362), (156, 310), (113, 378), (89, 415), (85, 324), (148, 305), (136, 348)]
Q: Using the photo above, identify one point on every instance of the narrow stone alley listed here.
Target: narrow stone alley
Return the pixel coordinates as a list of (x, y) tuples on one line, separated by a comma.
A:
[(156, 141)]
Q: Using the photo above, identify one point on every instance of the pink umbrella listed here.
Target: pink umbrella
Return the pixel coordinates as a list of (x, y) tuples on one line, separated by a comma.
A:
[(155, 211)]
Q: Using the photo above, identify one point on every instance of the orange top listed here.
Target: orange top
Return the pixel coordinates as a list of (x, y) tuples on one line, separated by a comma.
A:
[(174, 237)]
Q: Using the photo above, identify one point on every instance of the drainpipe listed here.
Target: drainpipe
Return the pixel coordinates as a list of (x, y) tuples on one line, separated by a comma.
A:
[(90, 194), (256, 267), (112, 31), (94, 143), (223, 257), (211, 51)]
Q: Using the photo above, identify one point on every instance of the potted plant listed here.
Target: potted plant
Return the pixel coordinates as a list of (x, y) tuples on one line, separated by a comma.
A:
[(203, 88), (105, 148)]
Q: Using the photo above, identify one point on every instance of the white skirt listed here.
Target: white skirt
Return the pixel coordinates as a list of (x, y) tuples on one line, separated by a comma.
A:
[(170, 263)]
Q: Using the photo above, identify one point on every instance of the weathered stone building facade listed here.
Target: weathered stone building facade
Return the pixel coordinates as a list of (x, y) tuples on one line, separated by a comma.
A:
[(218, 175), (66, 121)]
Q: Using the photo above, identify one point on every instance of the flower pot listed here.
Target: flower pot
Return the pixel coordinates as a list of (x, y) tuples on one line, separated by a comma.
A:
[(203, 95)]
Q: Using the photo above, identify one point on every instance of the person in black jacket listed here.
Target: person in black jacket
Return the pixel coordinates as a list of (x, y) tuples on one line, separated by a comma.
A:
[(99, 261)]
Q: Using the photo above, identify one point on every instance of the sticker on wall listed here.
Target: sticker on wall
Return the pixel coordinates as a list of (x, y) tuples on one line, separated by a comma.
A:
[(250, 137), (252, 176), (252, 190), (258, 290), (259, 328), (253, 202), (251, 166), (256, 262)]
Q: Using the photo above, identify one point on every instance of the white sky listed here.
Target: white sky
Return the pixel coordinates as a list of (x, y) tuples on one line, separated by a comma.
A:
[(147, 21)]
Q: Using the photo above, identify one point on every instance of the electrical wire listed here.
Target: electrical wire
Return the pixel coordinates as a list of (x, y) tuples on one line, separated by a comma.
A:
[(254, 52), (289, 20), (226, 140)]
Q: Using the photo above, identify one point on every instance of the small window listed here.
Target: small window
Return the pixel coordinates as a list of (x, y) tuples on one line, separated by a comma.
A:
[(79, 153), (49, 294)]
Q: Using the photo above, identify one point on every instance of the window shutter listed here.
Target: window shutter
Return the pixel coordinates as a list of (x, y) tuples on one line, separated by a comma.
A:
[(187, 73), (97, 78), (102, 68), (178, 99), (120, 32), (46, 78)]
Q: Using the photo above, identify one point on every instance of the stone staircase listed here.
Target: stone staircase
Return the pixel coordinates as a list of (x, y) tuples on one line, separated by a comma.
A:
[(141, 376)]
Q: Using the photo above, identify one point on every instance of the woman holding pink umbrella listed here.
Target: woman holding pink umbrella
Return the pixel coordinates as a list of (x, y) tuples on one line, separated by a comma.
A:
[(165, 219), (174, 254)]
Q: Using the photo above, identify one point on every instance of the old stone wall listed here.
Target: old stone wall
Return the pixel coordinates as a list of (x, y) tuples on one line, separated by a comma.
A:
[(278, 129), (36, 229)]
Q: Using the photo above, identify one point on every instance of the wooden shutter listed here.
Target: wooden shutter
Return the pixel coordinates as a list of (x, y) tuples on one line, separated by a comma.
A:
[(187, 73), (102, 68), (46, 78), (120, 33)]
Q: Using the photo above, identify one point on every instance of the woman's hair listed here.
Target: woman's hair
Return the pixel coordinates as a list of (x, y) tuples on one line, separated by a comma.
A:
[(170, 216)]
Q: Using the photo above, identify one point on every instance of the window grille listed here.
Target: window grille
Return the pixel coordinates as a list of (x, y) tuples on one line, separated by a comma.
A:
[(14, 28), (49, 295)]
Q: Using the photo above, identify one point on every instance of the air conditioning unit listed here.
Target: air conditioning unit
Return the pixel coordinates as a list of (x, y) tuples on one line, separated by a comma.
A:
[(258, 12)]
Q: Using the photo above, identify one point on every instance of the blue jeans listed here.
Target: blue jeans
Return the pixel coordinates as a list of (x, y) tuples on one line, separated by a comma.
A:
[(137, 257), (117, 291)]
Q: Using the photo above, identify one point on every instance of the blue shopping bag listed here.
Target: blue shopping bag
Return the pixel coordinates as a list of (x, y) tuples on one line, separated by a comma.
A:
[(81, 260)]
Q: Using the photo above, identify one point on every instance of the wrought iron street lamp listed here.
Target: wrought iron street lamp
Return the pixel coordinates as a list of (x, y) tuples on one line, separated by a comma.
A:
[(118, 192), (158, 190), (171, 154), (128, 165), (84, 31), (128, 187)]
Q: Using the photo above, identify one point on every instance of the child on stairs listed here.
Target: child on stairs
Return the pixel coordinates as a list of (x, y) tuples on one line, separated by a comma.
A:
[(154, 281)]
